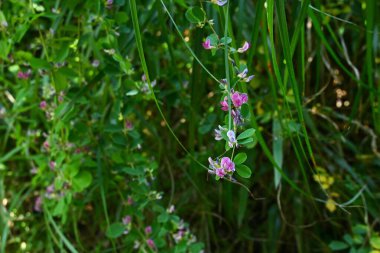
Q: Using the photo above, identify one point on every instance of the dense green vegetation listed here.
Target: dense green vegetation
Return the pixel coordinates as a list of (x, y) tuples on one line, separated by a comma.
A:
[(189, 126)]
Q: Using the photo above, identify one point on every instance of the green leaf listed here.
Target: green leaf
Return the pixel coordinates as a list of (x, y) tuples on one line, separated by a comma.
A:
[(243, 171), (246, 134), (348, 239), (195, 15), (246, 141), (360, 229), (59, 208), (375, 242), (133, 171), (115, 230), (225, 40), (37, 63), (278, 152), (20, 32), (196, 247), (162, 218), (82, 180), (240, 158), (132, 92), (60, 81), (62, 53), (338, 245)]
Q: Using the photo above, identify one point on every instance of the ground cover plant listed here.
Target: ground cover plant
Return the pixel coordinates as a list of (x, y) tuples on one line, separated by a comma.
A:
[(189, 126)]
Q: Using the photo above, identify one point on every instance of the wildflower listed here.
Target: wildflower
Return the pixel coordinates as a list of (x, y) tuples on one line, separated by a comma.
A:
[(224, 104), (248, 79), (46, 145), (43, 105), (244, 48), (23, 75), (61, 96), (218, 133), (130, 200), (238, 99), (207, 44), (109, 51), (95, 63), (126, 220), (148, 230), (178, 236), (219, 2), (238, 119), (50, 189), (4, 24), (243, 74), (220, 172), (34, 170), (150, 243), (171, 209), (128, 124), (145, 87), (136, 244), (38, 204), (231, 138), (213, 164), (227, 164), (52, 165), (55, 11), (109, 4)]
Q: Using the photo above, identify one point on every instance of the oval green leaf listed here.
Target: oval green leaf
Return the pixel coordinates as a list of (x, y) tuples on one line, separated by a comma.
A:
[(337, 245), (243, 171), (246, 134), (240, 158), (115, 230)]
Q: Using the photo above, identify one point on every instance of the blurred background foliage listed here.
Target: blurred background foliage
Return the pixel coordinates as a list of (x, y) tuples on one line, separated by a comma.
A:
[(82, 143)]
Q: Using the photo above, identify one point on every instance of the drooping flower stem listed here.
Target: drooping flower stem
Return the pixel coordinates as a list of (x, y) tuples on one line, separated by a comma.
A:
[(226, 15)]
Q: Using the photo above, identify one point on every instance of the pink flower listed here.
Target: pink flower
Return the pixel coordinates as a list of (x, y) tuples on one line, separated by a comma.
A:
[(61, 97), (207, 44), (130, 200), (126, 220), (150, 243), (227, 164), (23, 75), (128, 124), (220, 172), (238, 99), (52, 165), (38, 204), (50, 189), (244, 48), (43, 105), (148, 230), (224, 104), (109, 4), (46, 145)]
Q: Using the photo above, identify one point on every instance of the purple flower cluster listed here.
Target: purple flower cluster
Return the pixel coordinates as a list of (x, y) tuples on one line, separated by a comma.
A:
[(221, 168), (237, 99), (232, 101)]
